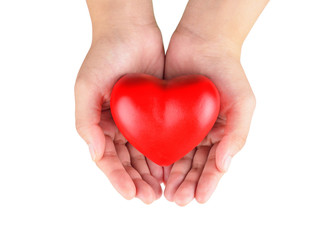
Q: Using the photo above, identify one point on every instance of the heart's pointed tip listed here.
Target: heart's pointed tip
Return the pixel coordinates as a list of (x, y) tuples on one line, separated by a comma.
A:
[(163, 163)]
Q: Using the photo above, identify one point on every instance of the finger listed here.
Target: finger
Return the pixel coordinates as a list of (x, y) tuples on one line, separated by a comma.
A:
[(138, 161), (236, 132), (88, 102), (156, 170), (108, 126), (143, 190), (166, 173), (186, 191), (115, 171), (178, 174), (209, 178)]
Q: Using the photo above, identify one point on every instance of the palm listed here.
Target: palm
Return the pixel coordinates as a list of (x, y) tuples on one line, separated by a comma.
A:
[(141, 51), (197, 175)]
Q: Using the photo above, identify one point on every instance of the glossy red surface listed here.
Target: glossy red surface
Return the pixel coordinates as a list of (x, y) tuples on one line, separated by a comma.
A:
[(164, 119)]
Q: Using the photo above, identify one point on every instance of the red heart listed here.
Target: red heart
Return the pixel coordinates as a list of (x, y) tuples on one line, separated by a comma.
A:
[(164, 119)]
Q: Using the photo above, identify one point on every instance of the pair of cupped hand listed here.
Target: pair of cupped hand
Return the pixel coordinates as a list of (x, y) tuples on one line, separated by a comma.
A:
[(139, 49)]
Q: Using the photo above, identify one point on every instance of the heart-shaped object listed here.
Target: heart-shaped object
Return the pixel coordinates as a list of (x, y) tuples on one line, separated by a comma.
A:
[(164, 119)]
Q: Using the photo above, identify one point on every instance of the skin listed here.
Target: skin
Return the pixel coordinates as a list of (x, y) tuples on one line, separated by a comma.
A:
[(126, 39), (120, 45), (211, 45)]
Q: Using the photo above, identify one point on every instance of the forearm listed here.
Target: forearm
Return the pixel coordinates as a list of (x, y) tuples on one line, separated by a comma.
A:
[(214, 19), (109, 14)]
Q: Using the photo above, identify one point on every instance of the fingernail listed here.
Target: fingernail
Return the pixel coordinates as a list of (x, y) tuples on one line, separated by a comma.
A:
[(225, 164), (92, 152)]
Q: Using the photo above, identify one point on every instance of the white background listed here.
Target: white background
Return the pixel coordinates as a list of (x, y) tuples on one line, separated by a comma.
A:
[(278, 187)]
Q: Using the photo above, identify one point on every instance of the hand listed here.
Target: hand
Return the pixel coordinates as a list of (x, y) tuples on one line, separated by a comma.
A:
[(127, 48), (196, 175)]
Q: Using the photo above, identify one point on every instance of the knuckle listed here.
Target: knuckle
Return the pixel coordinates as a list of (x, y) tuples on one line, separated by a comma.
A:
[(84, 86), (176, 175), (110, 154), (83, 83), (139, 158), (212, 156), (78, 125), (239, 141), (120, 141), (80, 128), (78, 85), (250, 101)]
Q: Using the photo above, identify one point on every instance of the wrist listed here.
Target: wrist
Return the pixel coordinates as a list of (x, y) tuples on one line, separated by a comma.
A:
[(222, 19), (214, 45), (109, 16)]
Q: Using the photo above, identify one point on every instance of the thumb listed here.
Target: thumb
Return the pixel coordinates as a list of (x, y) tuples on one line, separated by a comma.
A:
[(88, 104), (236, 132)]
